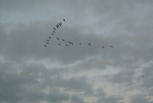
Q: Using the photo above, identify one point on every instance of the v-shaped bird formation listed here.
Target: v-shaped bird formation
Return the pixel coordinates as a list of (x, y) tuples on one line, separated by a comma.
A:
[(62, 41)]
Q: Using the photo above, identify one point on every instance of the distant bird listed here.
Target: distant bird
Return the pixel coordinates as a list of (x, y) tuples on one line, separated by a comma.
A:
[(45, 45), (80, 43), (63, 40), (57, 26), (60, 24), (58, 38), (70, 42), (143, 76), (111, 46), (89, 44), (103, 47)]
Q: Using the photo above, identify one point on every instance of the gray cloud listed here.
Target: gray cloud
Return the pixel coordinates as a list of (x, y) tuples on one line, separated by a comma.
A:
[(140, 99), (30, 73)]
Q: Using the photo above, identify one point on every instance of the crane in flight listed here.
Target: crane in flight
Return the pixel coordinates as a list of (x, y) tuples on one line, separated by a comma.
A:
[(55, 36), (89, 44), (45, 45)]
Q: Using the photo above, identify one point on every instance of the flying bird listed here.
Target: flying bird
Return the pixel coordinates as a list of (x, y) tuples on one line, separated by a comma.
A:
[(58, 38), (45, 45), (63, 40), (89, 44), (57, 26), (60, 24), (67, 43)]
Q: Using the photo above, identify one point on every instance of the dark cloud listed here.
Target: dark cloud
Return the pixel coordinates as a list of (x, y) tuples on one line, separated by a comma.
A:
[(140, 99), (124, 77), (57, 97), (109, 100), (3, 38), (29, 72), (77, 99), (36, 83)]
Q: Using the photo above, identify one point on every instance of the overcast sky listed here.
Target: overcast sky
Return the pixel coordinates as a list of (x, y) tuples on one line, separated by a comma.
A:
[(31, 73)]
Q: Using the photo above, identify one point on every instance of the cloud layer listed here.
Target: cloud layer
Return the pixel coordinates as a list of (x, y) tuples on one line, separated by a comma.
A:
[(31, 73)]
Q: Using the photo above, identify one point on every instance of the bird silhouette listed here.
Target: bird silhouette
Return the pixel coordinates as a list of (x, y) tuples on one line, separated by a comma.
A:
[(89, 44), (67, 42), (57, 26), (58, 38), (45, 45), (63, 40), (60, 24)]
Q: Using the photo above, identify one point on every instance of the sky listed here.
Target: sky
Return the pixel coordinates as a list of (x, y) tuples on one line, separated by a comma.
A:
[(31, 73)]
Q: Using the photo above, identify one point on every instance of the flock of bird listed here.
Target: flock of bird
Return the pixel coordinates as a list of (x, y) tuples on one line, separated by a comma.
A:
[(65, 42)]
